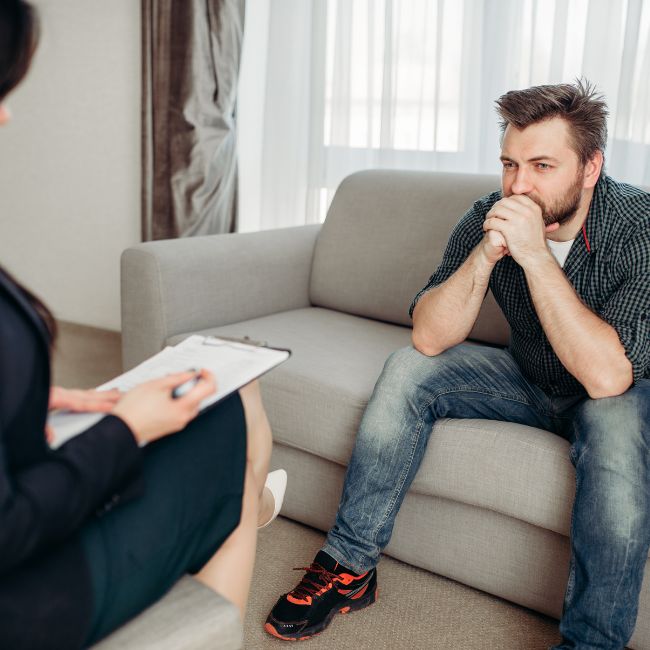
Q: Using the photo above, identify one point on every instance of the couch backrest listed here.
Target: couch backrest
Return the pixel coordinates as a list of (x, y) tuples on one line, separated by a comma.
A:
[(384, 236)]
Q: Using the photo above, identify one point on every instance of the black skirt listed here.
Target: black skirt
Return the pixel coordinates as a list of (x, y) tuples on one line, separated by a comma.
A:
[(194, 483)]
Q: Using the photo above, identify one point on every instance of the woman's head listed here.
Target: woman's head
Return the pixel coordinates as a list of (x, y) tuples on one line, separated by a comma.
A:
[(18, 39)]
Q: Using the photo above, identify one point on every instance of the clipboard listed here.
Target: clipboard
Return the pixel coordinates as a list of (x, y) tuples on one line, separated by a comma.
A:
[(235, 362)]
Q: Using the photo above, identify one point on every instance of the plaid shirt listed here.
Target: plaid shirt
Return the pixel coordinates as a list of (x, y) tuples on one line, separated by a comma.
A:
[(608, 266)]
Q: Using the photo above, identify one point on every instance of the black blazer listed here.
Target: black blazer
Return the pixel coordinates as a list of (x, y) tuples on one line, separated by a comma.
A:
[(46, 496)]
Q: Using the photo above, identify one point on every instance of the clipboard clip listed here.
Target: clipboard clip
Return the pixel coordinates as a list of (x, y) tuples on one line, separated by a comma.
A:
[(245, 340)]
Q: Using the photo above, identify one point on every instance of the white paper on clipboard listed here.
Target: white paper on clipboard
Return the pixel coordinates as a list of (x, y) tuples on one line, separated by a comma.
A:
[(233, 363)]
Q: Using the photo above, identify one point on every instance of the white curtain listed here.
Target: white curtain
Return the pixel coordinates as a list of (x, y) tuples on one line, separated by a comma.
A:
[(344, 85)]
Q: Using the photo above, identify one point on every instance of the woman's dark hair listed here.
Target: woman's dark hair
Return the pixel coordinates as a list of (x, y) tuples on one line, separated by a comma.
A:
[(18, 40), (37, 305)]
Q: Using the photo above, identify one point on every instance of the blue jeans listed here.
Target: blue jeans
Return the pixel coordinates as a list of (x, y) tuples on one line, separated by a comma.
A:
[(610, 528)]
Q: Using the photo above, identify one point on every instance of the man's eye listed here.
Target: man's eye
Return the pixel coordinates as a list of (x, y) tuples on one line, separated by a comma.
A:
[(508, 165), (543, 166)]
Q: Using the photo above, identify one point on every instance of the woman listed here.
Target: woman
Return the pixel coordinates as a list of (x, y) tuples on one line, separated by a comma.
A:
[(94, 532)]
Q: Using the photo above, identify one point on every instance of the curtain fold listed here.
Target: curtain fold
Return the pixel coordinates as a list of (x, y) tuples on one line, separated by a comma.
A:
[(411, 84), (191, 55)]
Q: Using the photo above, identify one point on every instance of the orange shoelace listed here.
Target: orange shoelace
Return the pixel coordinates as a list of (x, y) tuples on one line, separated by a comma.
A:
[(317, 580)]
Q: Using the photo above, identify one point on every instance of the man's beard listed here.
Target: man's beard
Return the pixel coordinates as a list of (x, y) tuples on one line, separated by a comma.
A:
[(562, 210)]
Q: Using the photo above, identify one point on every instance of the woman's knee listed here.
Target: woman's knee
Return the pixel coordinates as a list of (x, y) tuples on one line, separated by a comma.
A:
[(258, 429), (257, 423), (251, 397)]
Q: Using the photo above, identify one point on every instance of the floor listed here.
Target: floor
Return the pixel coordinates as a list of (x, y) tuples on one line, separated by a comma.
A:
[(416, 609)]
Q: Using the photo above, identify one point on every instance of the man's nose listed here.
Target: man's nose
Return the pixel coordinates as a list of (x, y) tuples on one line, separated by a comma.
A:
[(522, 183)]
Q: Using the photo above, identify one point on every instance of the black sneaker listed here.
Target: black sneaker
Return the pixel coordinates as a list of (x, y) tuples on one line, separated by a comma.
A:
[(325, 590)]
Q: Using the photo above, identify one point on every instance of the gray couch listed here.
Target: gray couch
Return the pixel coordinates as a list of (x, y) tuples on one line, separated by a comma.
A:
[(189, 617), (491, 504)]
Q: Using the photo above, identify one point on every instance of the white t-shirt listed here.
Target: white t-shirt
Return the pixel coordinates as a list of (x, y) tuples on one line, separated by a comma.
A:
[(560, 250)]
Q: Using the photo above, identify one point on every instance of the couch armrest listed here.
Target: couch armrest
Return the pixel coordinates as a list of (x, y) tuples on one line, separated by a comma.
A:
[(182, 285)]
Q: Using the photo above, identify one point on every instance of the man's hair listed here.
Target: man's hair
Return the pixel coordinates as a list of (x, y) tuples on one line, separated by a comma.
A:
[(584, 109)]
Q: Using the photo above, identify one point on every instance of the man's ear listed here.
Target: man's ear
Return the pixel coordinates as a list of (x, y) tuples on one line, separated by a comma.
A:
[(593, 169)]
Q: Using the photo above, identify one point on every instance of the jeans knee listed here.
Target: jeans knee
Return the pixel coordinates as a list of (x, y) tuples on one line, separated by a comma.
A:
[(403, 362), (409, 368), (622, 410), (395, 406), (614, 429), (610, 453)]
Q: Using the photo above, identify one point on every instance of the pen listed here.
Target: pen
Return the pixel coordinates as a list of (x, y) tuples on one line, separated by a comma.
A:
[(186, 386)]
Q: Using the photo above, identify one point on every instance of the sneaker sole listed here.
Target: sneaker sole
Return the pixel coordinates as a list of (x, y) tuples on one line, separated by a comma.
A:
[(354, 606)]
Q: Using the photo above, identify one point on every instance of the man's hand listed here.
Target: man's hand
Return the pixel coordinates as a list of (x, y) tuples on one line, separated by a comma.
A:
[(518, 219), (494, 246), (83, 401)]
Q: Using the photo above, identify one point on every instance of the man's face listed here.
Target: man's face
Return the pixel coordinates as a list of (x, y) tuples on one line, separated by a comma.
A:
[(539, 163)]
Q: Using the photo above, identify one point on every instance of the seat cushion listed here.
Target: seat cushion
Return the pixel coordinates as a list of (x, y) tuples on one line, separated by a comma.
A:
[(191, 616), (316, 399)]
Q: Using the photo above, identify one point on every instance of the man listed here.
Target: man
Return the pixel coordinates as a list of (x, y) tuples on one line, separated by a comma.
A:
[(566, 252)]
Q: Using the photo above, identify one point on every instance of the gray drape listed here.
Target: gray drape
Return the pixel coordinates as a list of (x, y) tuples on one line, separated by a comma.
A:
[(191, 53)]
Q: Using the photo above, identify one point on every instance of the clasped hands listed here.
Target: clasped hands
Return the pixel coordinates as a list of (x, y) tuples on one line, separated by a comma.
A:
[(515, 226)]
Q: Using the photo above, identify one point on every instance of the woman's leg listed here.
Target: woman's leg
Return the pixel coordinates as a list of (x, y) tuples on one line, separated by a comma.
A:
[(230, 569), (260, 443)]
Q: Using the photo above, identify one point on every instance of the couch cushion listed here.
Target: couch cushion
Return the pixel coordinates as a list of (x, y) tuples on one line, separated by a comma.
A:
[(383, 238), (190, 616), (316, 399), (510, 468)]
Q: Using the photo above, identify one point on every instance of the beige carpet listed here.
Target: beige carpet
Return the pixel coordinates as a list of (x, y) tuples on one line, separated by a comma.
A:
[(416, 609)]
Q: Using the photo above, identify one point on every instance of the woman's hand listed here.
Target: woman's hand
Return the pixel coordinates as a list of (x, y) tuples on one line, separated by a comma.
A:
[(151, 412), (83, 401), (80, 401)]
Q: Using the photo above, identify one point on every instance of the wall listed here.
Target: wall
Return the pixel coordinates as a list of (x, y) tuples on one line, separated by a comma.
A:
[(70, 159)]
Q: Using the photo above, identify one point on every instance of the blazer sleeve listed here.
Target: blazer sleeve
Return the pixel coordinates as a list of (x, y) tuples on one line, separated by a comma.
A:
[(46, 502)]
